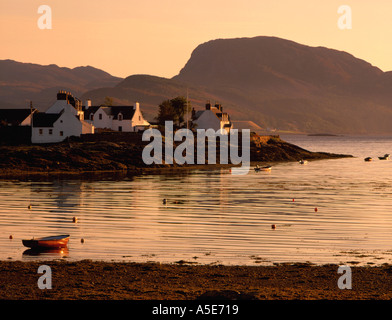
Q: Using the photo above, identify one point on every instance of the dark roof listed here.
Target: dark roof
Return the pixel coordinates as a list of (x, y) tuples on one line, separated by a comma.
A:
[(45, 120), (126, 111), (89, 111), (14, 116)]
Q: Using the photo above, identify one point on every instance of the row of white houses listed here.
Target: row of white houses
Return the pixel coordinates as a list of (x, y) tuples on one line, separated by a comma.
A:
[(68, 117)]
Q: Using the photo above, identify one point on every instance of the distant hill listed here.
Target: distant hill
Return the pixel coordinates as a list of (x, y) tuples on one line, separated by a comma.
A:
[(276, 83), (291, 86), (150, 91), (22, 82)]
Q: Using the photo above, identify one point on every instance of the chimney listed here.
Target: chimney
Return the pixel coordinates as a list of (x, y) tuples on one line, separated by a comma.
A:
[(208, 105), (136, 106), (61, 95), (87, 104)]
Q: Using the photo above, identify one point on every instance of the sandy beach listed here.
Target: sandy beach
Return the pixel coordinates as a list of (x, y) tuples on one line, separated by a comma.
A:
[(89, 280)]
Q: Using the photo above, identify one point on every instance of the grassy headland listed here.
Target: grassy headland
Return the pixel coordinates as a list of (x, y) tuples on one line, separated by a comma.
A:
[(77, 157)]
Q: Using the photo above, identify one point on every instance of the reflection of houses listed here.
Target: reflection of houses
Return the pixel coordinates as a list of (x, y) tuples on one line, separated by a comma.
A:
[(65, 118), (117, 118), (212, 117)]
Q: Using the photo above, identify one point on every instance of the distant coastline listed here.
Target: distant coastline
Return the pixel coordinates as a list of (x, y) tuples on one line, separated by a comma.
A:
[(324, 135), (77, 158)]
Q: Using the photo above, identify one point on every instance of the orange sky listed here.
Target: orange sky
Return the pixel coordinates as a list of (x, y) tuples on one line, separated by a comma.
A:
[(157, 37)]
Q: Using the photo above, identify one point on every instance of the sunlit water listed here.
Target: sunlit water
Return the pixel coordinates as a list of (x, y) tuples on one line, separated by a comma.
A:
[(214, 216)]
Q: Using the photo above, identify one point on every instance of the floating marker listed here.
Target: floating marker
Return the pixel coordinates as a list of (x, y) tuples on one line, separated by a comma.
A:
[(11, 237), (74, 219), (315, 209), (82, 240), (273, 227)]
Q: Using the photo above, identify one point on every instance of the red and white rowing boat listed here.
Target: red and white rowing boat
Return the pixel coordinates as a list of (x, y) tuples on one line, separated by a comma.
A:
[(51, 242)]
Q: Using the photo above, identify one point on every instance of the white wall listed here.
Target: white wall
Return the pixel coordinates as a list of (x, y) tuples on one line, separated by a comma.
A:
[(67, 123), (59, 106), (208, 120), (105, 122)]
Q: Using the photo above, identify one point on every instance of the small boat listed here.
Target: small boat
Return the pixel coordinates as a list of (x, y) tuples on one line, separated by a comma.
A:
[(369, 159), (303, 161), (265, 168), (385, 157), (51, 242)]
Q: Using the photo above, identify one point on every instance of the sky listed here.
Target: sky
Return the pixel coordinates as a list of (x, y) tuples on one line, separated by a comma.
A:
[(157, 37)]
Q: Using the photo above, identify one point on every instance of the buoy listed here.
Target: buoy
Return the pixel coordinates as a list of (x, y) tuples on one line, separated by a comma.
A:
[(11, 237), (82, 240), (293, 200), (29, 206), (74, 219), (164, 201), (273, 227), (315, 209)]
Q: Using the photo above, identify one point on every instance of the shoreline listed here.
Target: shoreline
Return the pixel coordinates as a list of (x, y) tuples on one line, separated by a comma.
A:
[(96, 280), (124, 157), (121, 174)]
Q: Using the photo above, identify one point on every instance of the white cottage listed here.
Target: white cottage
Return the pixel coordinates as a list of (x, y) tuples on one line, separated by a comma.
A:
[(117, 118), (212, 117), (63, 119)]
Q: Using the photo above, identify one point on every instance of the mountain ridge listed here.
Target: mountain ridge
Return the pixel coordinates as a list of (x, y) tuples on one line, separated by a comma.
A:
[(276, 83)]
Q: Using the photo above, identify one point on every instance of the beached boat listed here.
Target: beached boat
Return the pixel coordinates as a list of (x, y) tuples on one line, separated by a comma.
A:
[(265, 168), (369, 159), (51, 242), (385, 157), (303, 161)]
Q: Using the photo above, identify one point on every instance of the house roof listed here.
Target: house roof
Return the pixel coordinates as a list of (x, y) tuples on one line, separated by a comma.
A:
[(89, 111), (45, 120), (14, 116), (216, 111), (126, 111)]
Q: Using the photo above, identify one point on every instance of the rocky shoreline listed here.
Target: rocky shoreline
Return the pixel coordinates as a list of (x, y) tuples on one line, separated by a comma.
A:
[(95, 280), (76, 158)]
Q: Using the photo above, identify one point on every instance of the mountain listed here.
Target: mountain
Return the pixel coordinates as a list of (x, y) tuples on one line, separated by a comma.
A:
[(150, 91), (294, 87), (22, 82), (275, 83)]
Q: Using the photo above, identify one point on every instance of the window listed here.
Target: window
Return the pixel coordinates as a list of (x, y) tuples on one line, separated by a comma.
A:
[(41, 131), (61, 133), (100, 116), (91, 116), (120, 117), (50, 131), (120, 129), (140, 118)]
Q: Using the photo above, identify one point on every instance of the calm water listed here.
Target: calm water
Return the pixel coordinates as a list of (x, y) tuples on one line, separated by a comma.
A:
[(214, 217)]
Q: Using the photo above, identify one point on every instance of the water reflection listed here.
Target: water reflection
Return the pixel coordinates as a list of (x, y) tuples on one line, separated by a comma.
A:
[(212, 216)]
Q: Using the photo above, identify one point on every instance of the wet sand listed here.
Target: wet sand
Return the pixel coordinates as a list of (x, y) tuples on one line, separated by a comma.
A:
[(88, 280)]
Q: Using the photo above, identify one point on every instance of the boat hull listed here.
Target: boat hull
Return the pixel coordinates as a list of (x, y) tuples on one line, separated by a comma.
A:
[(47, 242)]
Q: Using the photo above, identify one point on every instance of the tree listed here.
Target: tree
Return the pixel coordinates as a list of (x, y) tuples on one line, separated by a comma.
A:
[(174, 110), (166, 112), (108, 102)]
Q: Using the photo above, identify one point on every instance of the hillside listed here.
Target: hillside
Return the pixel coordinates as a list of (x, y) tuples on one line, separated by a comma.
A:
[(22, 82), (276, 83), (294, 87)]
